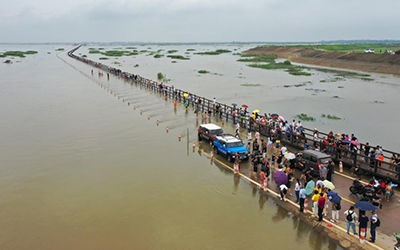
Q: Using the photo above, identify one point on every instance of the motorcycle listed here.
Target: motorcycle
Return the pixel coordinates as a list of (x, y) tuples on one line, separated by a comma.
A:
[(359, 189)]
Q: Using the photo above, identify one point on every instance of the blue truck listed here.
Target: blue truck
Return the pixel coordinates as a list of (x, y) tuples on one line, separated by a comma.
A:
[(231, 147)]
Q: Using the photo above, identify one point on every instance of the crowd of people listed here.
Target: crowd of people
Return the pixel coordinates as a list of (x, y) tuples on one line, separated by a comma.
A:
[(266, 157)]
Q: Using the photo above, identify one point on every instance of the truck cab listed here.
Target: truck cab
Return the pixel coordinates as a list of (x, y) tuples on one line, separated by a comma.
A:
[(231, 147), (312, 158), (209, 132)]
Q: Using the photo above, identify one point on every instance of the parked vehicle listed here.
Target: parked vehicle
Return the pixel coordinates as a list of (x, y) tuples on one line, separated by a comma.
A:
[(360, 189), (312, 158), (209, 132), (231, 147)]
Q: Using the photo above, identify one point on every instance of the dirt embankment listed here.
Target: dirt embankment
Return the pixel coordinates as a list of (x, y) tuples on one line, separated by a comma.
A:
[(379, 63)]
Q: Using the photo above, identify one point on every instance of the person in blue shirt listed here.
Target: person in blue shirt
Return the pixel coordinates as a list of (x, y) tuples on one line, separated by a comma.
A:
[(303, 195)]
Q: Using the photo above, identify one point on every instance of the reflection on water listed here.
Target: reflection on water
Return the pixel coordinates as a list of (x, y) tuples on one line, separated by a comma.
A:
[(80, 169)]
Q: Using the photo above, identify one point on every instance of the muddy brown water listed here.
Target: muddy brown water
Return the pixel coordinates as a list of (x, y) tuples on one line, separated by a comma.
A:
[(80, 169)]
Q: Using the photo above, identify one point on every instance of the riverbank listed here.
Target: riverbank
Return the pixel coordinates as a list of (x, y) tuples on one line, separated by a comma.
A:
[(378, 63)]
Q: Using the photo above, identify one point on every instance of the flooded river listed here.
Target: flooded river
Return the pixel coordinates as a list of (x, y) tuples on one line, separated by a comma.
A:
[(80, 169), (366, 108)]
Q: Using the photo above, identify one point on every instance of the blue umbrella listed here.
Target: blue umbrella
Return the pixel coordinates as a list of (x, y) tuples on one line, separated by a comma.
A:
[(366, 206), (346, 141), (234, 104), (280, 177), (334, 197), (310, 187)]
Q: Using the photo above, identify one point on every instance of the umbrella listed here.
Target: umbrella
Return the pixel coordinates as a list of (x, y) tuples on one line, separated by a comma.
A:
[(245, 106), (280, 177), (274, 116), (282, 118), (328, 185), (290, 156), (334, 197), (234, 104), (366, 206), (381, 158), (355, 143), (310, 187), (186, 95), (256, 111), (346, 141)]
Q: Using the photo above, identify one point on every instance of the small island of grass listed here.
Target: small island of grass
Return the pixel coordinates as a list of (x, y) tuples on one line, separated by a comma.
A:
[(179, 57), (216, 52), (203, 71), (18, 53), (305, 117)]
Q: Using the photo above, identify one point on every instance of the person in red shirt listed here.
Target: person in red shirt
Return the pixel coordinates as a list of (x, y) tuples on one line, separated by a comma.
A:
[(321, 206)]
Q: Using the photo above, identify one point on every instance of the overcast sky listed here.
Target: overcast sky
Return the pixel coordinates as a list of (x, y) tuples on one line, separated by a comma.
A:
[(197, 20)]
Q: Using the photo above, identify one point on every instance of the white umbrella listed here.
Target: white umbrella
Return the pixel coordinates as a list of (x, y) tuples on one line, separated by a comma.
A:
[(290, 156)]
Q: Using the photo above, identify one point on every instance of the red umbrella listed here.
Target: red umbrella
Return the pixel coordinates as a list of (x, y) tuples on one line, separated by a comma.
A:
[(245, 106)]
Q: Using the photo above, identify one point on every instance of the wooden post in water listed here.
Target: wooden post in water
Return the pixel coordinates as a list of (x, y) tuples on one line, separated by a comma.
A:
[(187, 141)]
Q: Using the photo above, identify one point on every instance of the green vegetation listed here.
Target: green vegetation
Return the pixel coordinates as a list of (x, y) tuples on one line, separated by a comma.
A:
[(336, 97), (258, 58), (158, 56), (291, 69), (18, 53), (340, 87), (202, 71), (216, 52), (118, 53), (331, 117), (60, 49), (297, 72), (94, 51), (250, 85), (130, 47), (84, 56), (172, 51), (354, 48), (161, 77), (179, 57), (136, 65), (190, 50), (7, 61), (115, 53), (305, 117), (173, 62), (103, 58)]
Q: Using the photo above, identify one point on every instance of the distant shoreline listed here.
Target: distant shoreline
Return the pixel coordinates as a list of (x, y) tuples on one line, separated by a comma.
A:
[(377, 63)]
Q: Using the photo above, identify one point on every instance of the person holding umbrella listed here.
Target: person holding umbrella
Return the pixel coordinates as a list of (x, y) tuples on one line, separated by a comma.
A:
[(335, 199)]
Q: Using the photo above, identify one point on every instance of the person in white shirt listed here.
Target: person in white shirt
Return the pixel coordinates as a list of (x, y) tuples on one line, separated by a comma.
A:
[(283, 192), (351, 217)]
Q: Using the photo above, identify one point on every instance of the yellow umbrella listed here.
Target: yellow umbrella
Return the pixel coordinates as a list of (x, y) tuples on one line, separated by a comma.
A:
[(256, 111), (186, 95)]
